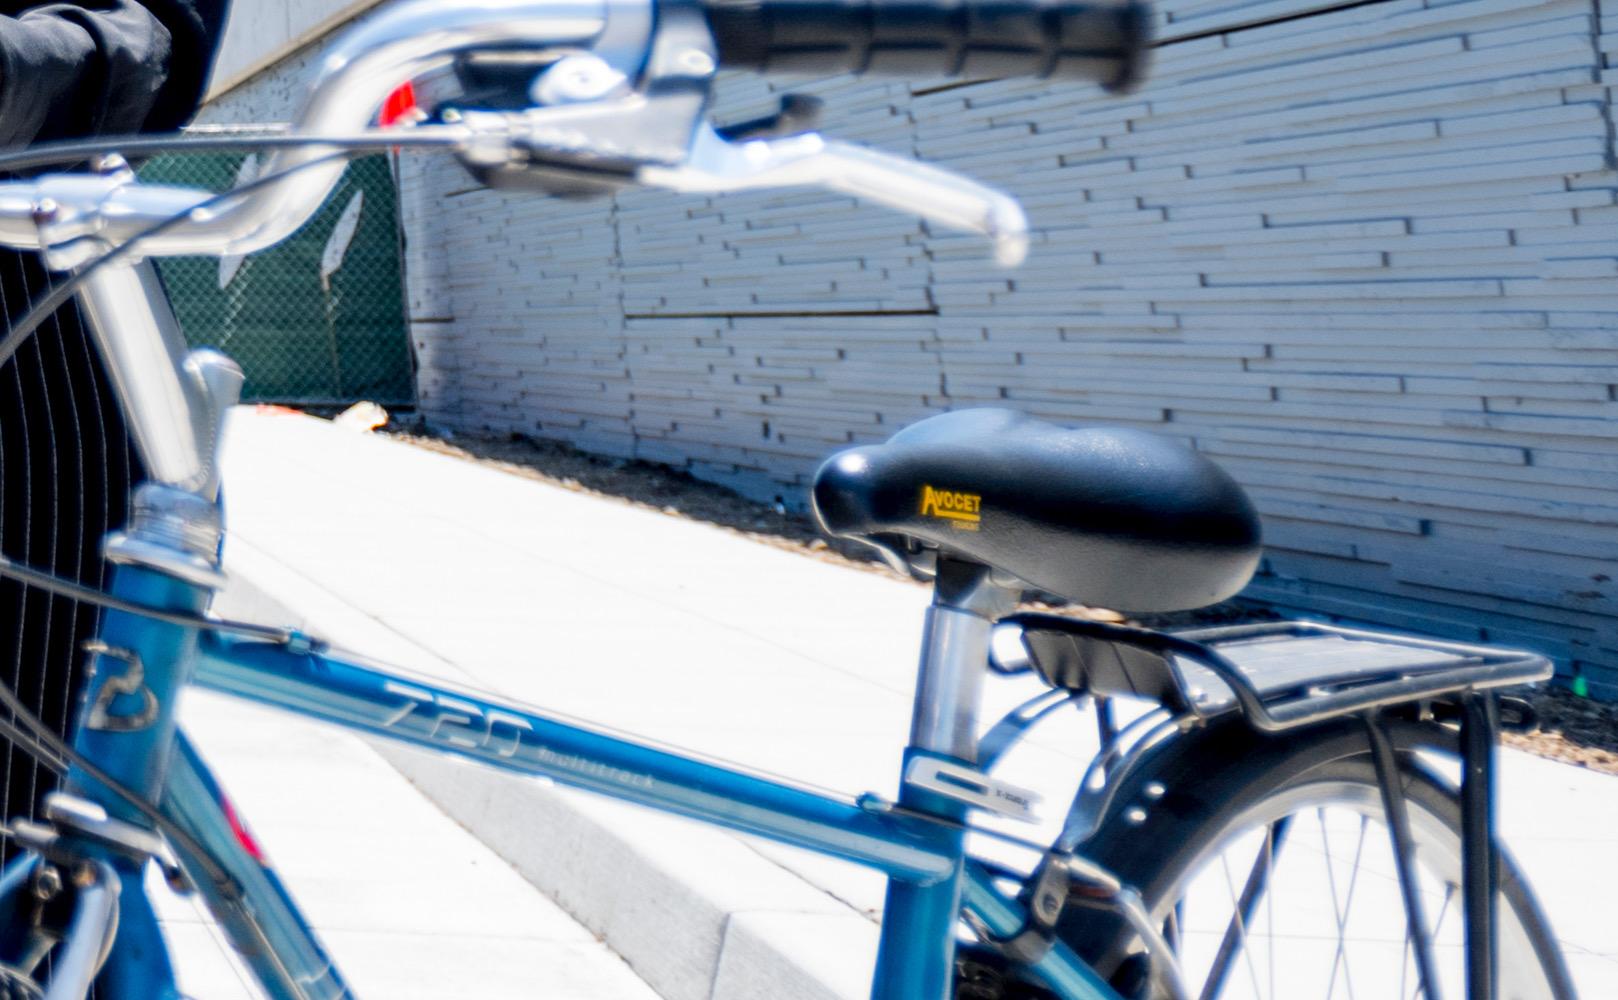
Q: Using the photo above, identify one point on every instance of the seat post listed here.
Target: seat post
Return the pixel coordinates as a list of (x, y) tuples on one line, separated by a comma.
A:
[(915, 960), (967, 599)]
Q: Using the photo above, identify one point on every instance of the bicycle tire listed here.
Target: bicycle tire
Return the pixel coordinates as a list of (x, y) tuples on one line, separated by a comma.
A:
[(1180, 809)]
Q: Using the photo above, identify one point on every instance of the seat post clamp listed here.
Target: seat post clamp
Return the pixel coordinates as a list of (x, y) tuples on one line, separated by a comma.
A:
[(972, 787)]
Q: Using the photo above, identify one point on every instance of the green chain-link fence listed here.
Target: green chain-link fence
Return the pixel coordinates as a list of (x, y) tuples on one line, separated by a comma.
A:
[(316, 320)]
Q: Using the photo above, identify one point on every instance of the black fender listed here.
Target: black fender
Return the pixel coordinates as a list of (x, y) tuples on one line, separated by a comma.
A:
[(1200, 778)]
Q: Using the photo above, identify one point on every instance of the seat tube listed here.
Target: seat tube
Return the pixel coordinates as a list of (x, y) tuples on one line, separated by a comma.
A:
[(915, 960)]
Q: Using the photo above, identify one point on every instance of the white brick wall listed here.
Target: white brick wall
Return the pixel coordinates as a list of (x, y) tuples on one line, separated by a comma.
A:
[(261, 33), (1366, 258)]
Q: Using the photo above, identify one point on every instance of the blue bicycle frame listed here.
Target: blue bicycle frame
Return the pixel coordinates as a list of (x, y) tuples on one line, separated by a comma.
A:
[(145, 663), (139, 768)]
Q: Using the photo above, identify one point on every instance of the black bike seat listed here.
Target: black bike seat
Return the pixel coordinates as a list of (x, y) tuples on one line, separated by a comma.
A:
[(1106, 516)]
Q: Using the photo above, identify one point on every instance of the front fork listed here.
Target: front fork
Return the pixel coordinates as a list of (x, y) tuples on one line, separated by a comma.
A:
[(82, 884), (127, 728)]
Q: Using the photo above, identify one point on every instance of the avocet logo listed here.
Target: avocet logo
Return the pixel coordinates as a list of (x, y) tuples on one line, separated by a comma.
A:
[(962, 510)]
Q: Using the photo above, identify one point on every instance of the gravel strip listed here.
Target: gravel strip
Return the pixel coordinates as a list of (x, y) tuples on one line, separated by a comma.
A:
[(1572, 729)]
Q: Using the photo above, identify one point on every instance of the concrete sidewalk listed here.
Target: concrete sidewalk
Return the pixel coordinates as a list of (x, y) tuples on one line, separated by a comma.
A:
[(691, 635), (408, 903)]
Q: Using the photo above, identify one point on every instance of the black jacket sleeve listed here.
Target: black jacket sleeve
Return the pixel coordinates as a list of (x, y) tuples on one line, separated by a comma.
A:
[(104, 66)]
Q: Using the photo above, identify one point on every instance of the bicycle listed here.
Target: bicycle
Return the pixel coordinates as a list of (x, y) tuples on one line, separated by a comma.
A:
[(1252, 726)]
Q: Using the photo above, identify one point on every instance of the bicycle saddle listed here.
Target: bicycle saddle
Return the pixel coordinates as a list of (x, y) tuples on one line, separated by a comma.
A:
[(1106, 516)]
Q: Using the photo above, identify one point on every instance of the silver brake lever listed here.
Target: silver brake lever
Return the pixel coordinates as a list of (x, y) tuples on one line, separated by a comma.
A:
[(715, 165)]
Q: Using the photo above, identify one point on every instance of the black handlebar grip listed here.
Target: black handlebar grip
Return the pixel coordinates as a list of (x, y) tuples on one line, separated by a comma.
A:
[(1103, 41)]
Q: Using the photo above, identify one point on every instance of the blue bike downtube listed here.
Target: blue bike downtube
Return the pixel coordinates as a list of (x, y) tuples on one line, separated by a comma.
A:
[(263, 923), (128, 729)]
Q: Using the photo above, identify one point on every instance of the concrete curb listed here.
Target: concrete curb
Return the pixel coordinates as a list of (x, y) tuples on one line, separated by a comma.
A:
[(697, 913)]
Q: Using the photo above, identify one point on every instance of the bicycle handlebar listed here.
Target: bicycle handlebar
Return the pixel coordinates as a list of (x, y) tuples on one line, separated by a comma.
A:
[(402, 42), (354, 79), (625, 97), (1096, 40)]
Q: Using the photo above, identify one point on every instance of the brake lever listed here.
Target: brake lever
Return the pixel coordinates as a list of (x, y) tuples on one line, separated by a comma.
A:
[(715, 165), (799, 113), (591, 134)]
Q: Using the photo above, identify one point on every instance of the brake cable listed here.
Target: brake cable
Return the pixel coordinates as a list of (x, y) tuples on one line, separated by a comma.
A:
[(34, 736), (38, 739), (277, 634), (42, 743), (25, 728), (72, 152)]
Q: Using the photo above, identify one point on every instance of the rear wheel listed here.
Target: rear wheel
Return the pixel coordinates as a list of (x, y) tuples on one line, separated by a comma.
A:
[(1268, 863)]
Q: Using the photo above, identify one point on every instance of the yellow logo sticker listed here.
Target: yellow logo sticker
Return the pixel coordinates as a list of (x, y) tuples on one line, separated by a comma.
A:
[(961, 510)]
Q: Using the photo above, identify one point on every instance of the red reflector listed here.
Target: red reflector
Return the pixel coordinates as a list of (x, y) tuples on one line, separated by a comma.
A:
[(244, 836), (398, 106)]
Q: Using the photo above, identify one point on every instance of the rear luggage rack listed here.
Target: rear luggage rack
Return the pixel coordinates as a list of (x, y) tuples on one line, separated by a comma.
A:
[(1281, 675)]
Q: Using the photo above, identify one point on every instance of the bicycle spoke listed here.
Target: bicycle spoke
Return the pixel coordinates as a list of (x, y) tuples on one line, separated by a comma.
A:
[(1404, 960), (1443, 908), (1241, 927), (1331, 883), (1348, 904), (1438, 925), (1293, 920), (1242, 908), (1340, 910), (1272, 841)]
